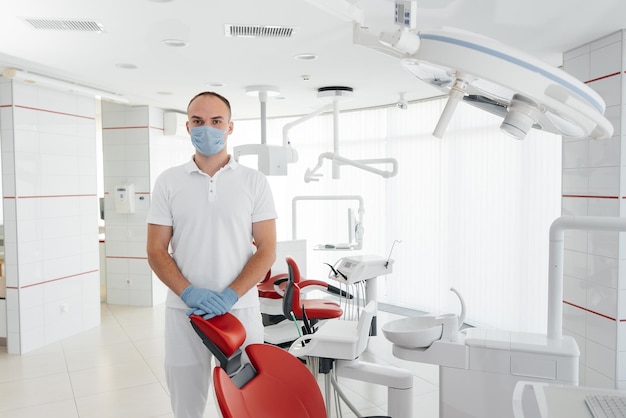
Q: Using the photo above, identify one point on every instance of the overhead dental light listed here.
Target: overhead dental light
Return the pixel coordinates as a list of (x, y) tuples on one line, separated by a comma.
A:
[(522, 114), (491, 76), (524, 91), (272, 160)]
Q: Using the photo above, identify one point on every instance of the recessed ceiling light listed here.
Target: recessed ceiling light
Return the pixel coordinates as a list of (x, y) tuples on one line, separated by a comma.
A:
[(164, 93), (126, 66), (306, 57), (215, 84), (175, 43)]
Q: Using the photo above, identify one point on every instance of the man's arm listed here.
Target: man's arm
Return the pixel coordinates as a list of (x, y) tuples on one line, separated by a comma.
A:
[(264, 235), (160, 259)]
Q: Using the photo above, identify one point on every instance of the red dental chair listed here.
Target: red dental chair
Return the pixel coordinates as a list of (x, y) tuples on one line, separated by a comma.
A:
[(272, 288), (251, 391), (288, 295), (312, 310)]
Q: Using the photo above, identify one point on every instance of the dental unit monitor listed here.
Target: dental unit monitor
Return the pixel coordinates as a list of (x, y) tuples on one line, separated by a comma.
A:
[(354, 235)]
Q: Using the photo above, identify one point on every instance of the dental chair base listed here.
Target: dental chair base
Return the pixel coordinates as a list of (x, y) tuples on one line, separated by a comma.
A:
[(478, 372), (399, 383), (338, 344)]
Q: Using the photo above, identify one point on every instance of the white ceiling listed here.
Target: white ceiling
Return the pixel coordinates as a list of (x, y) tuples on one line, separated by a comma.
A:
[(134, 30)]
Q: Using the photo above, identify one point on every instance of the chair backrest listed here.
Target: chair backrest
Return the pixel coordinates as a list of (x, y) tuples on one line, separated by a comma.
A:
[(274, 385), (282, 388), (223, 335), (291, 298)]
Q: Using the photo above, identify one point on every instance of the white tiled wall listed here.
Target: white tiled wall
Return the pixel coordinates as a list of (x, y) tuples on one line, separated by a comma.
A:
[(595, 284), (50, 214), (135, 151)]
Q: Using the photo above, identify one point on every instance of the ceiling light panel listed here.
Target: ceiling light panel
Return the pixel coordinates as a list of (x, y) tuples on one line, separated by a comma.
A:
[(258, 31), (71, 25)]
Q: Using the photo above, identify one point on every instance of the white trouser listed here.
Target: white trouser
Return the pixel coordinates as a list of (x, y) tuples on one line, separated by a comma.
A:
[(188, 361)]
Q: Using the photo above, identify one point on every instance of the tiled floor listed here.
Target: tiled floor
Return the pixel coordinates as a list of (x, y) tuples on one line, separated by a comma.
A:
[(116, 371)]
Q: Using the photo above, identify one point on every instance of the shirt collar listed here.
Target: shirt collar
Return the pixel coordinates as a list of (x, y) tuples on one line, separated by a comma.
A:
[(190, 166)]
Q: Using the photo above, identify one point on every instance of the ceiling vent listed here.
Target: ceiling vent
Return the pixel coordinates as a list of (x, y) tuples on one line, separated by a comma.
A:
[(70, 25), (258, 31)]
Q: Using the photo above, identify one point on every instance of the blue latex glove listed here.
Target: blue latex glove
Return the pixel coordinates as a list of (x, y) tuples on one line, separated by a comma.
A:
[(201, 313), (228, 297), (205, 300)]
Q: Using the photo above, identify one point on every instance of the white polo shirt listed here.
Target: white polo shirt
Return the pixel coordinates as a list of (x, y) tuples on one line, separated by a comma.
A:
[(212, 221)]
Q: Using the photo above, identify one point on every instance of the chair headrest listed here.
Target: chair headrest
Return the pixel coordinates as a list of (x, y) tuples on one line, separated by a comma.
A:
[(225, 331)]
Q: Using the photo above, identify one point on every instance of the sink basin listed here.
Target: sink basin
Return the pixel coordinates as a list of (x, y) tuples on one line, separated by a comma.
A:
[(419, 331)]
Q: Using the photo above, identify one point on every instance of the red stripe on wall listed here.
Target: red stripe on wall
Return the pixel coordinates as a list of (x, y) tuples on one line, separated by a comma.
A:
[(55, 112), (53, 280), (603, 77), (590, 197), (50, 196), (132, 127), (590, 311), (135, 192)]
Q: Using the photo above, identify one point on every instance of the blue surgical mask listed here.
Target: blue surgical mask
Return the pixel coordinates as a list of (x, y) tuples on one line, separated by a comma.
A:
[(207, 139)]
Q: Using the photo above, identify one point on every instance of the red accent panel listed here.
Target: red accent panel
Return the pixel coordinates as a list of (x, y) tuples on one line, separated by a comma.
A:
[(283, 388), (226, 332)]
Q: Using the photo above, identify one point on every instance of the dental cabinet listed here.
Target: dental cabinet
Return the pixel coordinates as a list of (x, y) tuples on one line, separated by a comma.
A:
[(478, 372)]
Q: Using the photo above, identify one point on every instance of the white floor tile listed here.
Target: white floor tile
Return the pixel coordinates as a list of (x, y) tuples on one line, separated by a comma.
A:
[(31, 365), (62, 409), (137, 402), (35, 391), (111, 354)]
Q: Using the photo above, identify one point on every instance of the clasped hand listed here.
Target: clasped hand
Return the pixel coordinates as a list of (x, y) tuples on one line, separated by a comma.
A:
[(208, 303)]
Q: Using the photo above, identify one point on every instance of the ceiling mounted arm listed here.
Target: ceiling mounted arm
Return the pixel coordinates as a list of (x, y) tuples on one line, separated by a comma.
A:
[(288, 126), (456, 94), (312, 175), (337, 92)]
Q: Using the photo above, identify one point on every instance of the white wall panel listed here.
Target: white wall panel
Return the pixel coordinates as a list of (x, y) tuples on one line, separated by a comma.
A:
[(603, 305), (44, 239)]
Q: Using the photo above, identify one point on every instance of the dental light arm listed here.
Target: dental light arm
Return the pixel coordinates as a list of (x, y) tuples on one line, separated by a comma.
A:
[(312, 175), (336, 92), (288, 126), (457, 92), (387, 43)]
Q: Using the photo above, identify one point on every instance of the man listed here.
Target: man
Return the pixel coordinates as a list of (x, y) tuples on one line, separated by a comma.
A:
[(209, 211)]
